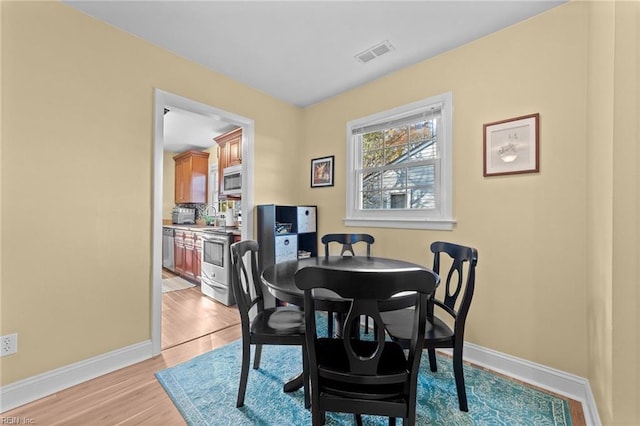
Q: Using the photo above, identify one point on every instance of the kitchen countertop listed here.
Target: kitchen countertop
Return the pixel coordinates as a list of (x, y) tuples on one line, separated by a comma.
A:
[(201, 228)]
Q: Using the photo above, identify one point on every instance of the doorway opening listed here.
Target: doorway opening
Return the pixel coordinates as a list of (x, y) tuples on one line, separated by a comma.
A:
[(162, 101)]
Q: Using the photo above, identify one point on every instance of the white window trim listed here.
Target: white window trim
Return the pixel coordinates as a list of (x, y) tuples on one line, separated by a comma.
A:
[(397, 218)]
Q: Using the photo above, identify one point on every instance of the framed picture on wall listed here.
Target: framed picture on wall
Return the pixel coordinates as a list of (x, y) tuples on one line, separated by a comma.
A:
[(322, 171), (511, 146)]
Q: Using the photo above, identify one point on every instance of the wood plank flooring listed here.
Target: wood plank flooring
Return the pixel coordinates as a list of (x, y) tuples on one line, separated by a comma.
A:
[(132, 395), (188, 314)]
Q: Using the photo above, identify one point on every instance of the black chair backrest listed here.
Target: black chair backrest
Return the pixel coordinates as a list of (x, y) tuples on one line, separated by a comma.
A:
[(365, 289), (347, 241), (245, 281), (460, 281)]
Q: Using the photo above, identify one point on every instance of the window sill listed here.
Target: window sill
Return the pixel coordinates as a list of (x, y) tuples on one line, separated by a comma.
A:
[(432, 224)]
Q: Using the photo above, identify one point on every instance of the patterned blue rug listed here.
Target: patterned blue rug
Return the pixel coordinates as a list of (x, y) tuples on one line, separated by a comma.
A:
[(205, 388)]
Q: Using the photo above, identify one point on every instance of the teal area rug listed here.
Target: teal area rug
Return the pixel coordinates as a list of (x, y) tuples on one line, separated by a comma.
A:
[(205, 388)]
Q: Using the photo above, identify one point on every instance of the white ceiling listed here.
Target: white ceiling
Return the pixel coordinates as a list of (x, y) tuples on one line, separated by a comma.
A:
[(185, 130), (303, 52)]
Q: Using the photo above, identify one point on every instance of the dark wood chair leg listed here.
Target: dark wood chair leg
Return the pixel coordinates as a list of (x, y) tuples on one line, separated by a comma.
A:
[(330, 324), (305, 378), (432, 359), (358, 419), (244, 372), (317, 417), (459, 375), (392, 421), (257, 356)]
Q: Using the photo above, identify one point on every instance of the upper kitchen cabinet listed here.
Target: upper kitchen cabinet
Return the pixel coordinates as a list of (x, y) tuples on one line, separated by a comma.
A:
[(229, 150), (191, 177)]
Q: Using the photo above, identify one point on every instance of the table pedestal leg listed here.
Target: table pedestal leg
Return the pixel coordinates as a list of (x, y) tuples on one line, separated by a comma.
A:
[(294, 384)]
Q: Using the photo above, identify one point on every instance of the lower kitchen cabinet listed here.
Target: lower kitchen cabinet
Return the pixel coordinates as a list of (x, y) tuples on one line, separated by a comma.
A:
[(188, 254), (197, 256), (189, 251), (178, 243)]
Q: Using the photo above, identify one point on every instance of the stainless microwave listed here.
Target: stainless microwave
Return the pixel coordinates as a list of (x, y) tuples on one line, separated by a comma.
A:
[(232, 181)]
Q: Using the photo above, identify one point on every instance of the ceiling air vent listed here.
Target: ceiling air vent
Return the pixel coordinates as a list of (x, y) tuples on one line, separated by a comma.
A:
[(374, 51)]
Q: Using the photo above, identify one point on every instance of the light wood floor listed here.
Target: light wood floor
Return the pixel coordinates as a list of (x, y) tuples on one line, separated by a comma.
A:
[(188, 315), (192, 324), (132, 395)]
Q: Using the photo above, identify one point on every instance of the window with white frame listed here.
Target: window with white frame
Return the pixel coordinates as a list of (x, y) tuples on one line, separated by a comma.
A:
[(399, 167)]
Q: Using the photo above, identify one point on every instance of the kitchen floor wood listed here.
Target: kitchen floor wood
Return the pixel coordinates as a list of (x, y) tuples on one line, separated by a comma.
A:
[(188, 314)]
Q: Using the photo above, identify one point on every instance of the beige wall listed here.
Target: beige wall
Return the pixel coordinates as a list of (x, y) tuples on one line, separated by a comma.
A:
[(599, 214), (613, 160), (546, 241), (557, 272), (624, 288), (529, 229), (77, 175)]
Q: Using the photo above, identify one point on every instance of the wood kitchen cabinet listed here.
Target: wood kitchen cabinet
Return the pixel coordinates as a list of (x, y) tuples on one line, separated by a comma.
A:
[(178, 251), (197, 256), (191, 177), (188, 254), (229, 150)]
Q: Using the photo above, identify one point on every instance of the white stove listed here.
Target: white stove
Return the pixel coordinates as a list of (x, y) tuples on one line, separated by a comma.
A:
[(215, 271)]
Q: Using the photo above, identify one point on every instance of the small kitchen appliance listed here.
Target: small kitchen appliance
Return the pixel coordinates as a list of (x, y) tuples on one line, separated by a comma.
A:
[(183, 216)]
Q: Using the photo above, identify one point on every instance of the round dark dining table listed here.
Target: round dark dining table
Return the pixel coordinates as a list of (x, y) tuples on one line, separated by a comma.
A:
[(279, 280)]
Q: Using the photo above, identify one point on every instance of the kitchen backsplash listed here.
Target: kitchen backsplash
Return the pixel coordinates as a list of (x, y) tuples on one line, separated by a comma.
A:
[(220, 206)]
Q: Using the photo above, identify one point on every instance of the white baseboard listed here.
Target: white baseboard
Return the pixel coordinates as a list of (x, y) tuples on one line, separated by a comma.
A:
[(36, 387), (548, 378), (41, 385)]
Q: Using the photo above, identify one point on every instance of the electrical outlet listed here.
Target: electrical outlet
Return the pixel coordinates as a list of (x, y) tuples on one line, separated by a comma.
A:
[(9, 344)]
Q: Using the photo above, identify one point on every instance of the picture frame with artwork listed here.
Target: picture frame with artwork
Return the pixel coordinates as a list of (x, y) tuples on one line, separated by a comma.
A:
[(322, 171), (511, 146)]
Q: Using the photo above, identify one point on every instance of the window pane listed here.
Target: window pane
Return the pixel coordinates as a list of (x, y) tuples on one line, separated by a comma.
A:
[(425, 150), (371, 181), (421, 183), (372, 140), (422, 130), (373, 158), (392, 155), (396, 136), (421, 175), (371, 200), (423, 198), (398, 200), (393, 179)]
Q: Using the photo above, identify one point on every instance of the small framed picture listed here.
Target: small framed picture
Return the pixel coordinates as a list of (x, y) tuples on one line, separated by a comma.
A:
[(511, 146), (322, 171)]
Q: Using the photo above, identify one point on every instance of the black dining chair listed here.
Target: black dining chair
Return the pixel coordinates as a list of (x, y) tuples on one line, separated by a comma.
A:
[(454, 305), (347, 241), (364, 374), (269, 326)]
